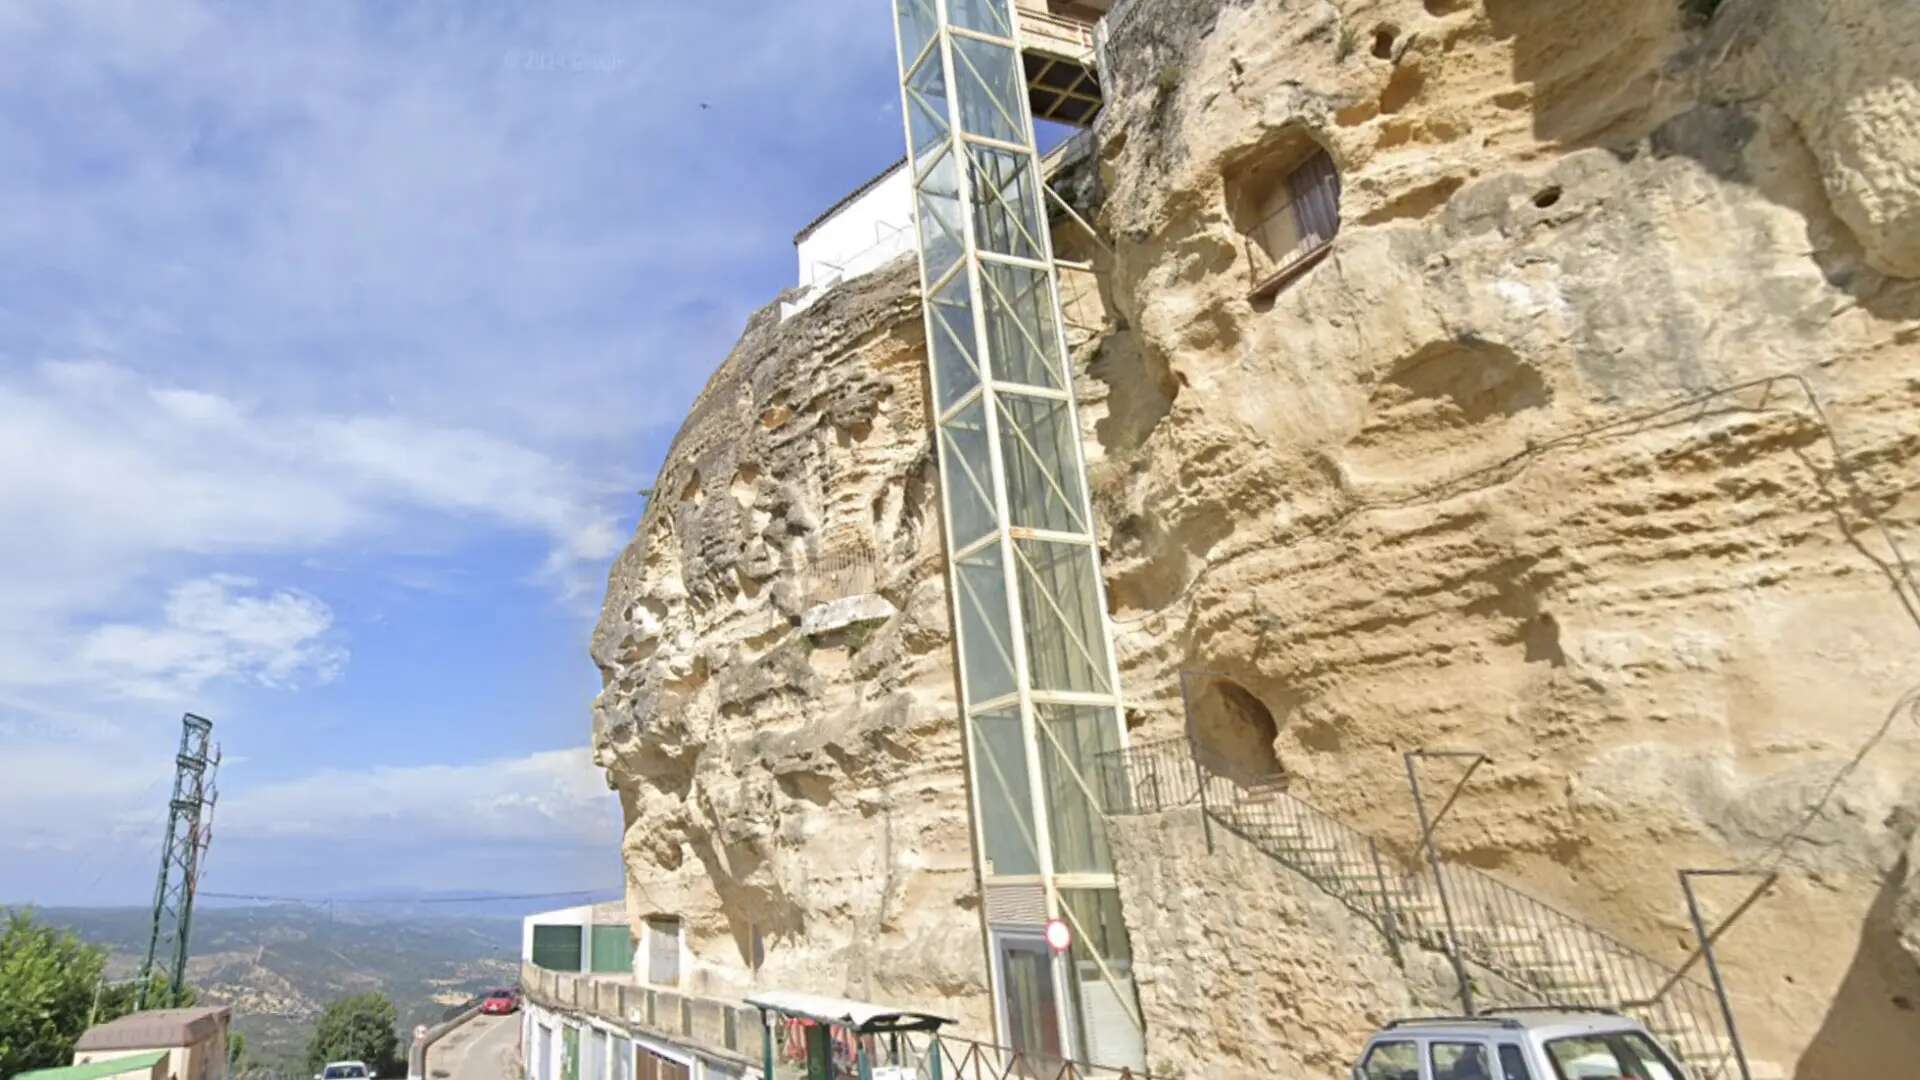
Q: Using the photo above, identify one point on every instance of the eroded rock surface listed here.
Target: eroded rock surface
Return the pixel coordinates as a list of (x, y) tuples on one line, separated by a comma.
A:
[(1582, 446)]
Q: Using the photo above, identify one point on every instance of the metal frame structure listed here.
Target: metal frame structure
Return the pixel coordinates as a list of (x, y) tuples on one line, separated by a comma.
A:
[(189, 832), (1767, 878), (1039, 686), (1474, 760)]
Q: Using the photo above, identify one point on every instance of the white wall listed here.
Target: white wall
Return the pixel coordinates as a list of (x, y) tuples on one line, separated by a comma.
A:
[(574, 916), (858, 239)]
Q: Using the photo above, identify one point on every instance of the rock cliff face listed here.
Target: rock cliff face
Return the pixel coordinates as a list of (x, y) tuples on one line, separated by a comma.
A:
[(1590, 443)]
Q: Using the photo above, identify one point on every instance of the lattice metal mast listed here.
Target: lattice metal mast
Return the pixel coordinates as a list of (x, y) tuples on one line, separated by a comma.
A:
[(1039, 687), (189, 832)]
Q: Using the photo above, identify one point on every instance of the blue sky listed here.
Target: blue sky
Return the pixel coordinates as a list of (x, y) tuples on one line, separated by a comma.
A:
[(335, 343)]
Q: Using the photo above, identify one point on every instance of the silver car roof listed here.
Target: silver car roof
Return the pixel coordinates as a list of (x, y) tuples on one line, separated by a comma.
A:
[(1545, 1023)]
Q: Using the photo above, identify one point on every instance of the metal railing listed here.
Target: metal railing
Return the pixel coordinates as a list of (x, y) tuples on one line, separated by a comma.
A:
[(1529, 951), (1146, 778), (929, 1056), (1039, 25), (840, 574)]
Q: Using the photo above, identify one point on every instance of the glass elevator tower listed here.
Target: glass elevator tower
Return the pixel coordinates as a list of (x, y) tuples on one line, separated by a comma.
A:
[(1039, 689)]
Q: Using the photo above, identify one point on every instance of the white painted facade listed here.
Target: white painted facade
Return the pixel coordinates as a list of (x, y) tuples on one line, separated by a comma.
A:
[(607, 1051), (871, 230)]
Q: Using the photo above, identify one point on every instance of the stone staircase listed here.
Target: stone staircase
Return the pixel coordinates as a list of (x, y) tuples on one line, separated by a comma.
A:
[(1519, 951)]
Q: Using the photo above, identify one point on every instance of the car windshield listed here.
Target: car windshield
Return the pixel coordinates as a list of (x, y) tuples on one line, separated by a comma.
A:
[(1624, 1055), (501, 994), (345, 1072)]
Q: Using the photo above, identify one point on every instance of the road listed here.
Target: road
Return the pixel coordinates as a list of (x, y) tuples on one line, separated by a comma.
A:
[(483, 1048)]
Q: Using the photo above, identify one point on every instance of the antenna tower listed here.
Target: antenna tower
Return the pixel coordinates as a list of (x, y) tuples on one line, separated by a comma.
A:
[(189, 831)]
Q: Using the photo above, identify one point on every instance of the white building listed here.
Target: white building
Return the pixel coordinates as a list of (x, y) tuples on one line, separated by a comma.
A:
[(869, 228), (601, 1003)]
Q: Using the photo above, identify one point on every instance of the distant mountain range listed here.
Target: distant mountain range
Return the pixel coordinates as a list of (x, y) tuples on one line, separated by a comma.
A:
[(279, 965)]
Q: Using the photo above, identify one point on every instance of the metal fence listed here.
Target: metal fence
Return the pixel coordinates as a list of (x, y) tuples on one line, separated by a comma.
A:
[(1527, 952), (836, 575), (928, 1056)]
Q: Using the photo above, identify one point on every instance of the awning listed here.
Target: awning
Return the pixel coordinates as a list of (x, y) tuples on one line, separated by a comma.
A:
[(858, 1016), (97, 1070)]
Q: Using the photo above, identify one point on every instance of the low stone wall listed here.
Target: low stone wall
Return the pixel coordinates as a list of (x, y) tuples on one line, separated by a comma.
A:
[(723, 1030)]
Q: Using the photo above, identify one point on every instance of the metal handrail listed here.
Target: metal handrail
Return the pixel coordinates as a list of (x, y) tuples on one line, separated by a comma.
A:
[(1533, 951), (840, 574), (934, 1056)]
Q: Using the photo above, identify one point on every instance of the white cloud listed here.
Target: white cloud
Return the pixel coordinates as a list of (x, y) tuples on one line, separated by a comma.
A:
[(557, 797), (83, 830), (209, 631)]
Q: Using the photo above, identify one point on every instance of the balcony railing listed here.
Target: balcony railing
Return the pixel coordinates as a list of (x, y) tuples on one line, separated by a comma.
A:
[(1057, 33), (840, 574)]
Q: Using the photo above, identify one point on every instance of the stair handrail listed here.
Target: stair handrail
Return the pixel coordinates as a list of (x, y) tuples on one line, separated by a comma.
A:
[(1682, 1009)]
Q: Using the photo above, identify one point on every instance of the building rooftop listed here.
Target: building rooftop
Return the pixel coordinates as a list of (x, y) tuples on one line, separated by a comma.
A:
[(848, 199), (858, 1015), (96, 1070), (155, 1027)]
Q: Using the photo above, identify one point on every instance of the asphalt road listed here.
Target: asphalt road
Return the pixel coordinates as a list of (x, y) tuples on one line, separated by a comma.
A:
[(483, 1048)]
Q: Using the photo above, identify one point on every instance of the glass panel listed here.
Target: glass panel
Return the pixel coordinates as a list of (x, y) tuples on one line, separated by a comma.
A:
[(1021, 337), (991, 90), (1066, 642), (968, 475), (1043, 475), (1392, 1061), (1006, 796), (1006, 202), (1072, 738), (986, 16), (941, 236), (927, 105), (918, 24), (1103, 1006), (1033, 1014), (1513, 1063), (985, 625), (1460, 1061), (950, 328)]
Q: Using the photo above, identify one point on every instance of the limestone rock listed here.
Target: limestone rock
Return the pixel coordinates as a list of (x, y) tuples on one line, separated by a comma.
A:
[(1581, 445)]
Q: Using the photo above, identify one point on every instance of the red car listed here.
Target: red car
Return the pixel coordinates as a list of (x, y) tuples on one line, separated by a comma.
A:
[(500, 1002)]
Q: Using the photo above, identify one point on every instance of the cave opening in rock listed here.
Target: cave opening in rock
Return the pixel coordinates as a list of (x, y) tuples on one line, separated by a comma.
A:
[(1233, 731), (1283, 198)]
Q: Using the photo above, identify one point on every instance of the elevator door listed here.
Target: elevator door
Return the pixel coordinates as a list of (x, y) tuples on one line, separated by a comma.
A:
[(1032, 1016)]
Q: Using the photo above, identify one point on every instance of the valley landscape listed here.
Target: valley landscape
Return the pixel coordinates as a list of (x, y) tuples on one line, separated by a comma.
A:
[(279, 965)]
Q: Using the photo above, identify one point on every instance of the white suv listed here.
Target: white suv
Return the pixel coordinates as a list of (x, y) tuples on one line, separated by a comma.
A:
[(1517, 1045)]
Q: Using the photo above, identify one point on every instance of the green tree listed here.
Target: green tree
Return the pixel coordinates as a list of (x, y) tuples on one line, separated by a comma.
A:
[(47, 982), (363, 1027), (51, 986)]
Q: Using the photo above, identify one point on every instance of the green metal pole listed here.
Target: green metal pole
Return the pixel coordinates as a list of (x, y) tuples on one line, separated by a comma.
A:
[(766, 1044)]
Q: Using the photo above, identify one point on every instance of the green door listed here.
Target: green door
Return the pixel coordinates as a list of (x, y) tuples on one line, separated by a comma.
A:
[(556, 948), (570, 1053), (612, 949)]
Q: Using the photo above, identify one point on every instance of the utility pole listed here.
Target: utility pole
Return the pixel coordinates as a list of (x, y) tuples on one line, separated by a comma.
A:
[(189, 831)]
